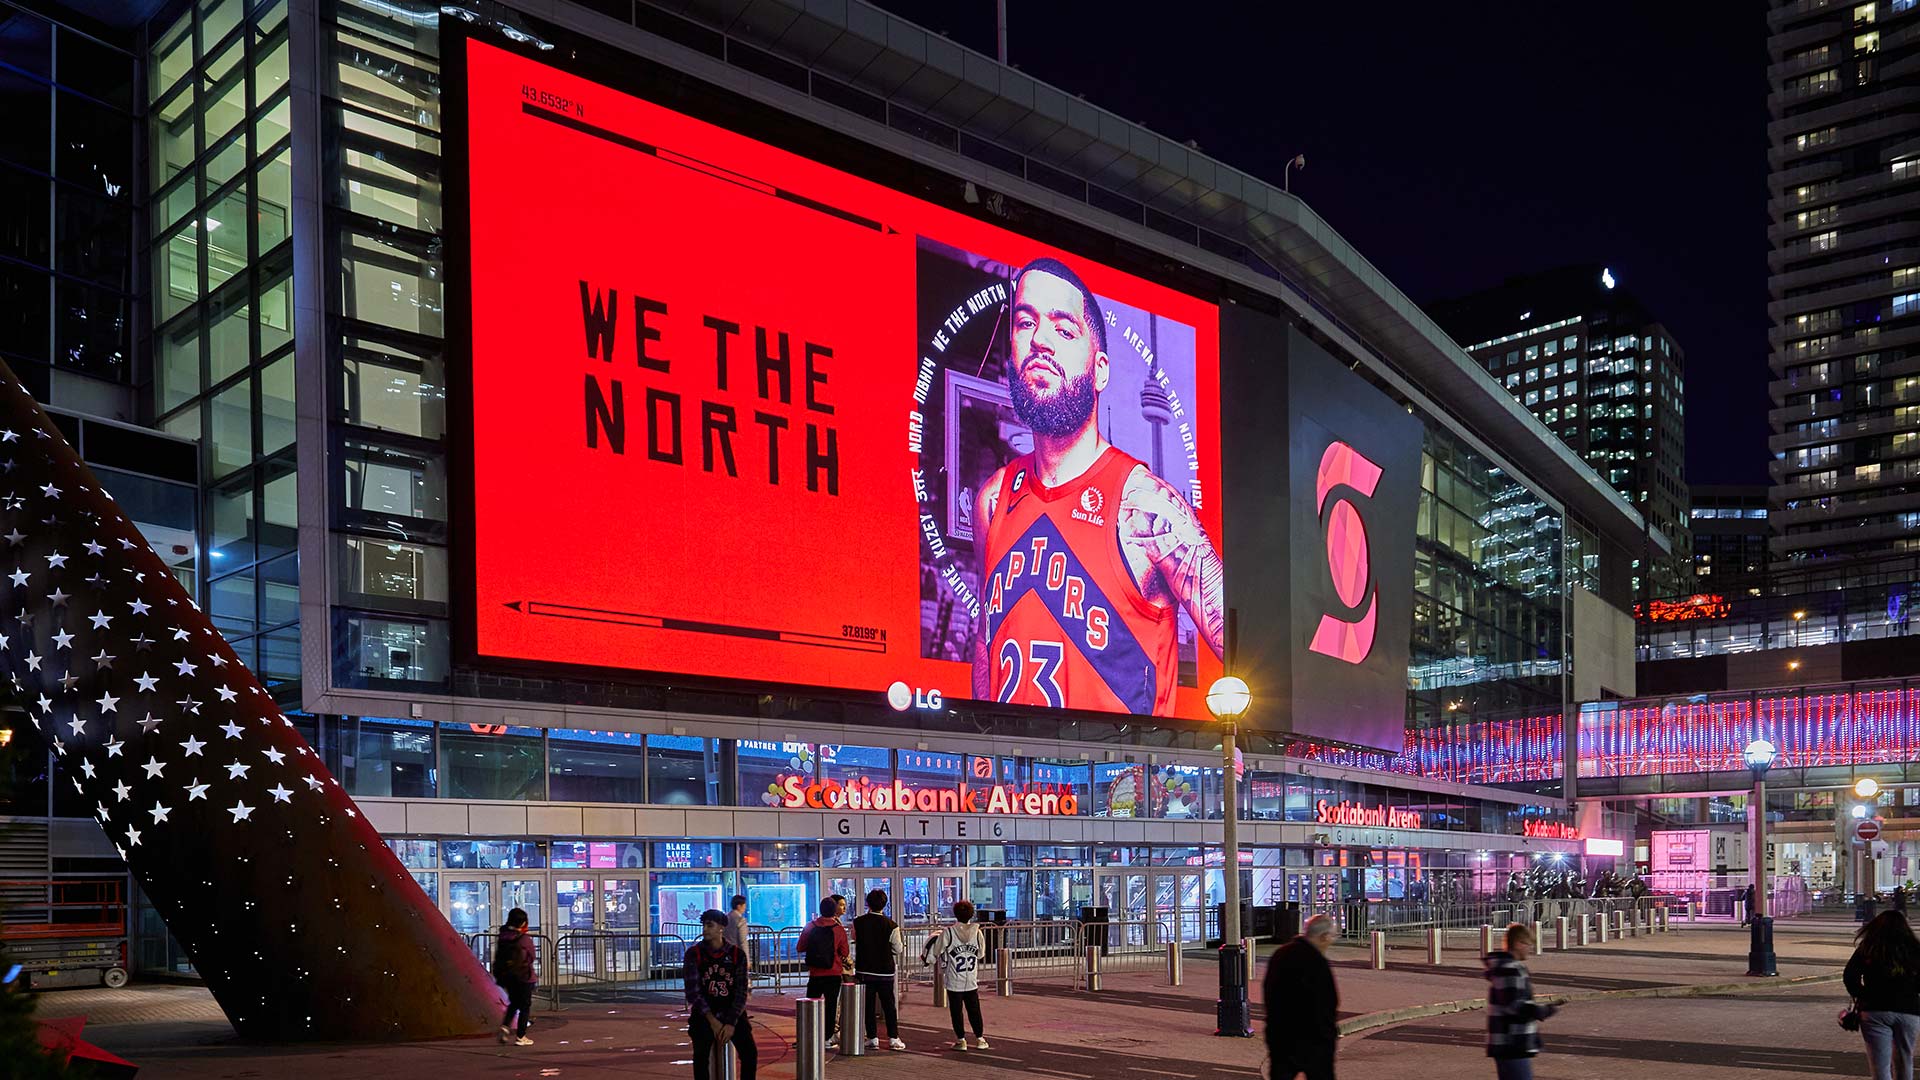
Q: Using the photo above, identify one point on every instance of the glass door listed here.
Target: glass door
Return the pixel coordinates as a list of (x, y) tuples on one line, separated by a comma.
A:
[(1193, 910), (913, 900), (469, 906), (576, 947)]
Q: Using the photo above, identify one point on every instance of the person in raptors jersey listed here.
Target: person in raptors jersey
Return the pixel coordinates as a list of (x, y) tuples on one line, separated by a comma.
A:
[(1087, 556)]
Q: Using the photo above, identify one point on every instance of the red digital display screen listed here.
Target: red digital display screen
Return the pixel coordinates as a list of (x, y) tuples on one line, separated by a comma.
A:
[(739, 414)]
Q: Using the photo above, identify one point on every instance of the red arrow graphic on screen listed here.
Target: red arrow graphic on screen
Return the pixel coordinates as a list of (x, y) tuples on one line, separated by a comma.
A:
[(693, 626)]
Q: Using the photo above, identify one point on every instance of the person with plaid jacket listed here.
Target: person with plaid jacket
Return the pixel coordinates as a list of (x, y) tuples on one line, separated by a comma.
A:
[(1513, 1016)]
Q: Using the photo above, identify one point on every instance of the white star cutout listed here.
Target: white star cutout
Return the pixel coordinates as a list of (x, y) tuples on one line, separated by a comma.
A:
[(232, 729), (180, 635), (62, 640), (46, 704), (19, 576), (148, 725), (94, 548), (108, 703), (218, 660), (237, 771), (146, 682), (196, 790), (33, 661), (56, 559), (275, 756), (227, 693), (9, 436), (240, 811), (153, 766), (280, 794), (100, 620), (184, 667), (192, 746), (133, 837), (159, 813), (313, 783), (58, 596), (87, 767), (351, 812), (140, 607), (49, 491), (114, 747), (78, 725), (59, 747), (121, 791)]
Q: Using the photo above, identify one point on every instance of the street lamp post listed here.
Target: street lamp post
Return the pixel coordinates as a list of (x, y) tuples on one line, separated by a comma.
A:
[(1760, 961), (1228, 699)]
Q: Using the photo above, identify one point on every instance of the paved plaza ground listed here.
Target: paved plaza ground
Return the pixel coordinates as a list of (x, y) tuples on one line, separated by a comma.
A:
[(1657, 1006)]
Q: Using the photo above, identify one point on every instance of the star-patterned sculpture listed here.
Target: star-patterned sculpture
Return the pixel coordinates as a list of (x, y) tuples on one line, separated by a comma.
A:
[(296, 914)]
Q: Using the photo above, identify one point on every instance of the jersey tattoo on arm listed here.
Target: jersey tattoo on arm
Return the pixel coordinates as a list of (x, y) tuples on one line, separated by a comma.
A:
[(986, 501), (1159, 523)]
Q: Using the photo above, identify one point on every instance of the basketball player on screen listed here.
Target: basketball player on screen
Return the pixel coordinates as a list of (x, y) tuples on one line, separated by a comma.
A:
[(1088, 555)]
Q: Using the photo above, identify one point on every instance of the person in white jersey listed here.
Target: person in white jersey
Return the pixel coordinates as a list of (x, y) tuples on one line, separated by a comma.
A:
[(959, 950)]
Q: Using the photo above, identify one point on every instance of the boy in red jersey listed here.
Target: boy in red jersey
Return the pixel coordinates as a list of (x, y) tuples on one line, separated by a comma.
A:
[(1087, 555)]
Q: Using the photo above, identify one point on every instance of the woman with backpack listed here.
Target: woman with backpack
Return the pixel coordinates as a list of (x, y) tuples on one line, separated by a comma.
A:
[(1883, 976), (513, 969), (958, 951), (823, 943)]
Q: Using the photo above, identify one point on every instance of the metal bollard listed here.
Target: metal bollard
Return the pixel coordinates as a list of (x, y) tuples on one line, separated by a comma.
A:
[(724, 1064), (1600, 919), (1633, 922), (1433, 945), (1619, 925), (1174, 961), (1663, 927), (1248, 958), (1003, 972), (1560, 933), (1093, 967), (1486, 939), (1379, 950), (853, 1020), (1691, 914), (939, 991), (810, 1039), (1586, 931)]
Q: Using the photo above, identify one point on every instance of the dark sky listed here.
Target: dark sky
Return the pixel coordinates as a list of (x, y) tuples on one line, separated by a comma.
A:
[(1458, 144)]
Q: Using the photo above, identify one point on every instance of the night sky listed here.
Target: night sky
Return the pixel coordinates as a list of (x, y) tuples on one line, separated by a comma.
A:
[(1458, 144)]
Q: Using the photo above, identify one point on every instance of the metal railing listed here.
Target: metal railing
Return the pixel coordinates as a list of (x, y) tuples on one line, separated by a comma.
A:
[(544, 967), (1393, 917)]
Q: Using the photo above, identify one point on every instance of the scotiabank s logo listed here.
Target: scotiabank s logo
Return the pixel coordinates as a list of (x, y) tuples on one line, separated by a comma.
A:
[(1348, 636)]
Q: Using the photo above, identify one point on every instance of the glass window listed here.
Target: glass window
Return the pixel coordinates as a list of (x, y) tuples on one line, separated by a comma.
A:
[(391, 281), (29, 128), (480, 761), (177, 374), (393, 388), (682, 855), (773, 856), (280, 517), (273, 194), (394, 483), (95, 147), (1060, 894), (386, 757), (23, 223), (230, 509), (232, 414), (93, 332), (1001, 891), (1177, 792), (781, 899), (1119, 790), (930, 769), (1075, 776), (280, 591), (1000, 855), (95, 236), (274, 124), (276, 405), (848, 763), (683, 770), (492, 855), (764, 765), (370, 649), (678, 901), (379, 572), (596, 766), (232, 604), (279, 656), (416, 854), (269, 75), (226, 105)]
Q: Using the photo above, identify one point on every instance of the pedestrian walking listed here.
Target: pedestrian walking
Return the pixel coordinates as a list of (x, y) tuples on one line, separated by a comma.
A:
[(824, 945), (716, 979), (1513, 1016), (1746, 901), (1883, 976), (1302, 1005), (736, 934), (957, 952), (877, 952), (513, 969)]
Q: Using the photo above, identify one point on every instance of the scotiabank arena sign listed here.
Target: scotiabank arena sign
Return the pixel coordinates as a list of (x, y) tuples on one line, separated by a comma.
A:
[(1351, 813), (1031, 800), (1550, 830)]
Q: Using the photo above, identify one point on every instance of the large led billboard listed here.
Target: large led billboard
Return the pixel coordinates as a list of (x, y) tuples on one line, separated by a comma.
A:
[(739, 414)]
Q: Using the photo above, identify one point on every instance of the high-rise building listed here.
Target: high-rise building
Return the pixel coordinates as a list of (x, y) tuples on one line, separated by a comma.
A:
[(1581, 353), (1844, 278), (1729, 527)]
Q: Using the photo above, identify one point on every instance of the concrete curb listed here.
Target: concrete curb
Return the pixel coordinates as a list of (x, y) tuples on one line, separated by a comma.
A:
[(1354, 1025)]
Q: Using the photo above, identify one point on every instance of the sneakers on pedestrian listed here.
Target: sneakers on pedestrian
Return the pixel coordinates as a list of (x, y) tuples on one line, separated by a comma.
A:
[(523, 1041), (873, 1044), (833, 1042), (981, 1043), (960, 1044), (896, 1044), (506, 1035)]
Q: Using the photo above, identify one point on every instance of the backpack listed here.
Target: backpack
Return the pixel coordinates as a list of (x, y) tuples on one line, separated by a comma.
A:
[(817, 943)]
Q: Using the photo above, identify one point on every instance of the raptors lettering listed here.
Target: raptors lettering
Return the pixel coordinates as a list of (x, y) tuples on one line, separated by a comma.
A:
[(717, 425)]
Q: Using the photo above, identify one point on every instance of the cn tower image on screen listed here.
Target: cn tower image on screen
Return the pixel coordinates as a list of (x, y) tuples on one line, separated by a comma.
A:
[(783, 424)]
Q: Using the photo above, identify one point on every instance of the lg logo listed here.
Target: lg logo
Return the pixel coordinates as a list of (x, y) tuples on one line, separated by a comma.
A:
[(1349, 636), (902, 697)]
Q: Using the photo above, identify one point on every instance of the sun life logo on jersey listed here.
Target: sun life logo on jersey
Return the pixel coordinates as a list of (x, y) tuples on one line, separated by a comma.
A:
[(1090, 503)]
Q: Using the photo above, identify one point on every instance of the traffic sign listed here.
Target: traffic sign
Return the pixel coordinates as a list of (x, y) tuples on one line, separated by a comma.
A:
[(1868, 829)]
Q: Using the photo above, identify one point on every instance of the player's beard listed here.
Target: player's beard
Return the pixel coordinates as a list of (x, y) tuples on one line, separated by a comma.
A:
[(1063, 412)]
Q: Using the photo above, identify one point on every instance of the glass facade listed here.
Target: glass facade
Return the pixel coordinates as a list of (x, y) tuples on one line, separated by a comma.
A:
[(68, 200), (221, 168)]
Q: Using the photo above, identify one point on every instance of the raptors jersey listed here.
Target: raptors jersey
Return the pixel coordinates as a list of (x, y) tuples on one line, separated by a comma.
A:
[(1066, 623)]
